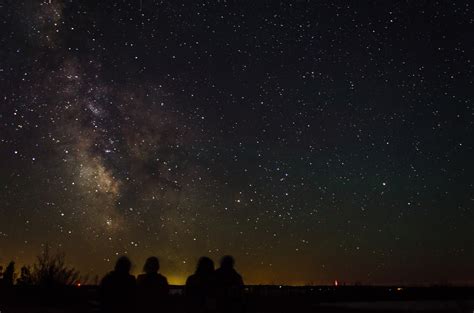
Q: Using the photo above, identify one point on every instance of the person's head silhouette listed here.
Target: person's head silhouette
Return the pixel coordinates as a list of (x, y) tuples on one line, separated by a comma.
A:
[(123, 265), (205, 266), (227, 262), (152, 265)]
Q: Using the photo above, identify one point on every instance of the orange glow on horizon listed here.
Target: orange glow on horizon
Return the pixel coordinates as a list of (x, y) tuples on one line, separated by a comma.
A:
[(176, 280)]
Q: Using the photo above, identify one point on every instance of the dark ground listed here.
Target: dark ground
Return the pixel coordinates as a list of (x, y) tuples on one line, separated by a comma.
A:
[(264, 299)]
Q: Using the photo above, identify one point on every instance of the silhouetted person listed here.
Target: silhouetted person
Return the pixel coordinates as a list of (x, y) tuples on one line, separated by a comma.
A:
[(152, 288), (230, 287), (201, 287), (117, 289)]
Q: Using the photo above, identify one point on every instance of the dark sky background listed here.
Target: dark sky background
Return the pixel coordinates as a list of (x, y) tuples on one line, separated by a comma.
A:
[(313, 140)]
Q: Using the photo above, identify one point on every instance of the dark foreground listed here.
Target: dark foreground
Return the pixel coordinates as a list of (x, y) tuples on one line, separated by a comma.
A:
[(263, 299)]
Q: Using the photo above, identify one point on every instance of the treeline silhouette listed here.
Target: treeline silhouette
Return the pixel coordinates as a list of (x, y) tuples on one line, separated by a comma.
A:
[(49, 270)]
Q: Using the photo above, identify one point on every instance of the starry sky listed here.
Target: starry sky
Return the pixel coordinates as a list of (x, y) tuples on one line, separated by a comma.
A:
[(313, 140)]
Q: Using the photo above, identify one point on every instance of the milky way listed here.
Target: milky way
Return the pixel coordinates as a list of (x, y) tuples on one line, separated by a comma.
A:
[(313, 141)]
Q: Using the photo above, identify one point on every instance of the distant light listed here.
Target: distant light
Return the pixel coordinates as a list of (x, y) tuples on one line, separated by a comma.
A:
[(78, 284), (399, 289), (336, 283)]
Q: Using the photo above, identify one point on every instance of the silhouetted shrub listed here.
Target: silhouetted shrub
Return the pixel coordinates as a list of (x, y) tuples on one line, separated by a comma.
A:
[(9, 274), (26, 278), (51, 270)]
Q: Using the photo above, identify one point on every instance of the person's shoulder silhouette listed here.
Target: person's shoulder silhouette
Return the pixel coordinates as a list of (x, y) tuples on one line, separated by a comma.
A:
[(230, 286), (200, 287), (117, 288), (152, 287), (151, 278), (226, 275), (204, 273)]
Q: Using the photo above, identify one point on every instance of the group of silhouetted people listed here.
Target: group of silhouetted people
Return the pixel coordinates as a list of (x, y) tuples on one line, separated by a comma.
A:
[(207, 290)]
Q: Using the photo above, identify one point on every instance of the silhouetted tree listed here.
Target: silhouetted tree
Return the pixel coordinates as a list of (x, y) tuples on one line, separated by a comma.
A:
[(9, 274), (95, 281), (26, 278), (51, 270)]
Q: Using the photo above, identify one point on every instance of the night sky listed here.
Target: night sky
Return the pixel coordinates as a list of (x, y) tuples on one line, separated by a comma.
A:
[(313, 140)]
